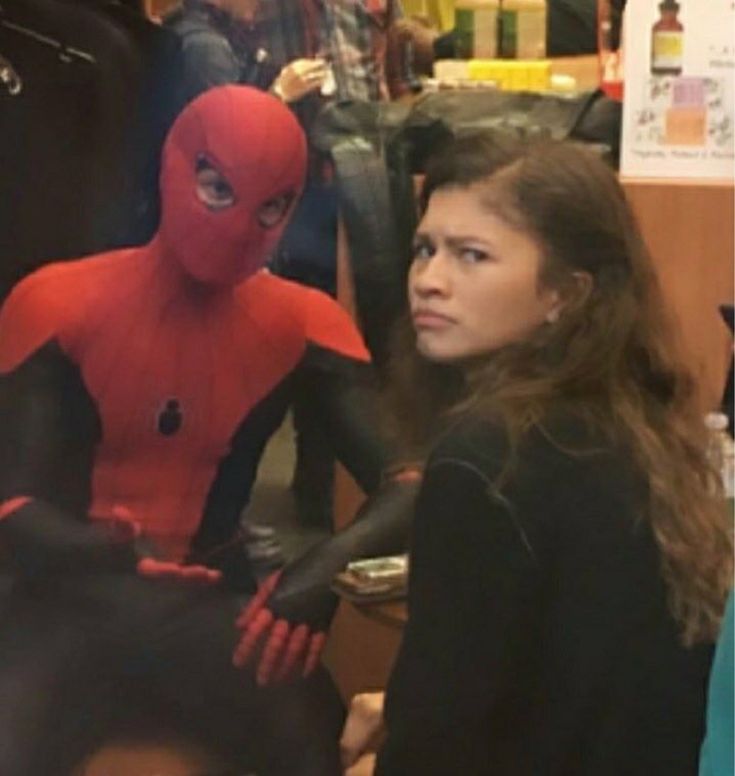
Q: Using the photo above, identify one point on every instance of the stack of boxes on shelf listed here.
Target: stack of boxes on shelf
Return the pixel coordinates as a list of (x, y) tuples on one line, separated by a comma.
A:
[(500, 43)]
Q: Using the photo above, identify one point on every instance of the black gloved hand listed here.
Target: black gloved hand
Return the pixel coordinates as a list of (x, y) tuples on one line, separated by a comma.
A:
[(293, 609)]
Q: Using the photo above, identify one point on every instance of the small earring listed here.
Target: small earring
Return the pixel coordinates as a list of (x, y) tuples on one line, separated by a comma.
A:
[(553, 315)]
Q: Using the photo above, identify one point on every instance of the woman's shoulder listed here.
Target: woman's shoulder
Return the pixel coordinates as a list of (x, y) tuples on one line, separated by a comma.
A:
[(565, 479), (560, 428), (561, 439), (471, 440)]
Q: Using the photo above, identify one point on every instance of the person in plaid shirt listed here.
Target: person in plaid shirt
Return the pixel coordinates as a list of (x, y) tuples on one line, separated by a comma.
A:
[(289, 47)]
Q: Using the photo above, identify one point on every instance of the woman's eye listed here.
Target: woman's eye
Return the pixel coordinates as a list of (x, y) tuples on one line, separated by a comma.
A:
[(274, 210), (212, 188), (422, 250), (472, 255)]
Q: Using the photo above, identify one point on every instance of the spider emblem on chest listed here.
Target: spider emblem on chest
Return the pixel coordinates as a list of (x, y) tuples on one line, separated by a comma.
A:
[(169, 418)]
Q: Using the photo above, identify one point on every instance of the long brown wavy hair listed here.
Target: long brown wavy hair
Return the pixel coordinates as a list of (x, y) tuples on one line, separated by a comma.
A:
[(613, 356)]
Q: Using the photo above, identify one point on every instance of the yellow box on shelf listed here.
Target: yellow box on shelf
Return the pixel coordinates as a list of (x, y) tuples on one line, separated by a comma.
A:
[(512, 74)]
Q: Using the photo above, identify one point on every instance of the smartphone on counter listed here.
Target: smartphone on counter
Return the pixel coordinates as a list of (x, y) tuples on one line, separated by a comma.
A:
[(373, 579)]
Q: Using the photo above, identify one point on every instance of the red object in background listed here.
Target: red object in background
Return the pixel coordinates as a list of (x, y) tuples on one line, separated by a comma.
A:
[(609, 50), (613, 89)]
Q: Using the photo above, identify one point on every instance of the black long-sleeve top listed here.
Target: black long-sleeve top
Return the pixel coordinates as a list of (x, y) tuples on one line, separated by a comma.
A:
[(539, 639)]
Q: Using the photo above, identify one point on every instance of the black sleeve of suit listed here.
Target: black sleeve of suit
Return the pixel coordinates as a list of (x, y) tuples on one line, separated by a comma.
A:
[(344, 398), (48, 430), (380, 528), (343, 394)]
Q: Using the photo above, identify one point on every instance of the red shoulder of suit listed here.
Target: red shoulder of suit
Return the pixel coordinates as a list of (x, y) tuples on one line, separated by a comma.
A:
[(55, 301), (35, 312), (324, 322), (49, 304)]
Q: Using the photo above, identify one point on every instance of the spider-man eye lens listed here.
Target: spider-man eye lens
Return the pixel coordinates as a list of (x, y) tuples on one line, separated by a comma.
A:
[(274, 210), (213, 189)]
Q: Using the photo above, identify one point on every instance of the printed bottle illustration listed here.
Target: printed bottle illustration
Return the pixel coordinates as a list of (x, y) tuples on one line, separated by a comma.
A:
[(667, 40)]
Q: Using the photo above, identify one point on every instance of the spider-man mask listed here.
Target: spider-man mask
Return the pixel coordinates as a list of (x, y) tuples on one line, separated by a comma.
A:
[(233, 167)]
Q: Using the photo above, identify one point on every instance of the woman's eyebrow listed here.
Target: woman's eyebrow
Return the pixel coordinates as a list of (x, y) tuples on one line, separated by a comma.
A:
[(457, 240)]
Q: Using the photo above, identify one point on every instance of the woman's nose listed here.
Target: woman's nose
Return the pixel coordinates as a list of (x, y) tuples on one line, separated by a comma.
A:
[(431, 276)]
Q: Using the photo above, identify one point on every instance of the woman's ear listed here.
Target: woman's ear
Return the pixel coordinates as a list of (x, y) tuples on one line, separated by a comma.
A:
[(583, 285), (573, 296)]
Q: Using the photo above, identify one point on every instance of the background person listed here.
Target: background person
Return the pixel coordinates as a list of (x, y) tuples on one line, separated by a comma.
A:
[(718, 750)]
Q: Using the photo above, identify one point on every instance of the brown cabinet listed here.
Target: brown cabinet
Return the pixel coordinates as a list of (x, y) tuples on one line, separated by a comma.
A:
[(688, 227)]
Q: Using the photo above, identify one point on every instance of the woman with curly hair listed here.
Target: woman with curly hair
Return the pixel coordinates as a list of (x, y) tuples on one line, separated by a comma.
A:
[(570, 554)]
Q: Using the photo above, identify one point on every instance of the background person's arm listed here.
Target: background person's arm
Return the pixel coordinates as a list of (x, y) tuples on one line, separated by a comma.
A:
[(208, 61), (363, 731)]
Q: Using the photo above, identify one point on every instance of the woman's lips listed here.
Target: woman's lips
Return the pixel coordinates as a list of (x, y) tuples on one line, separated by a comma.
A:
[(428, 319)]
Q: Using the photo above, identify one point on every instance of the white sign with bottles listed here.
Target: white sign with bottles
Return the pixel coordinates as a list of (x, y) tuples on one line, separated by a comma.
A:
[(678, 97)]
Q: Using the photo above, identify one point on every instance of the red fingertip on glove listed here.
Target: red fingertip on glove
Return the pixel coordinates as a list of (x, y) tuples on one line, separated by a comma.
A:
[(258, 600), (119, 524), (284, 648), (124, 516), (272, 652), (201, 574), (256, 627), (316, 646), (295, 649), (161, 569), (12, 505)]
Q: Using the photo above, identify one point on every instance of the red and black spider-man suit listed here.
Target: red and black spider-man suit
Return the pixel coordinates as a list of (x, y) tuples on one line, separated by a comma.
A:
[(137, 389)]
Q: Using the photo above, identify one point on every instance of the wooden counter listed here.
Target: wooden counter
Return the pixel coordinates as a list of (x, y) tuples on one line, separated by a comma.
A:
[(361, 649)]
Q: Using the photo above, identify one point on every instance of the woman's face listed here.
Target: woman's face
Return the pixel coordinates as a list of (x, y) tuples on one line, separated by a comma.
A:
[(473, 286)]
